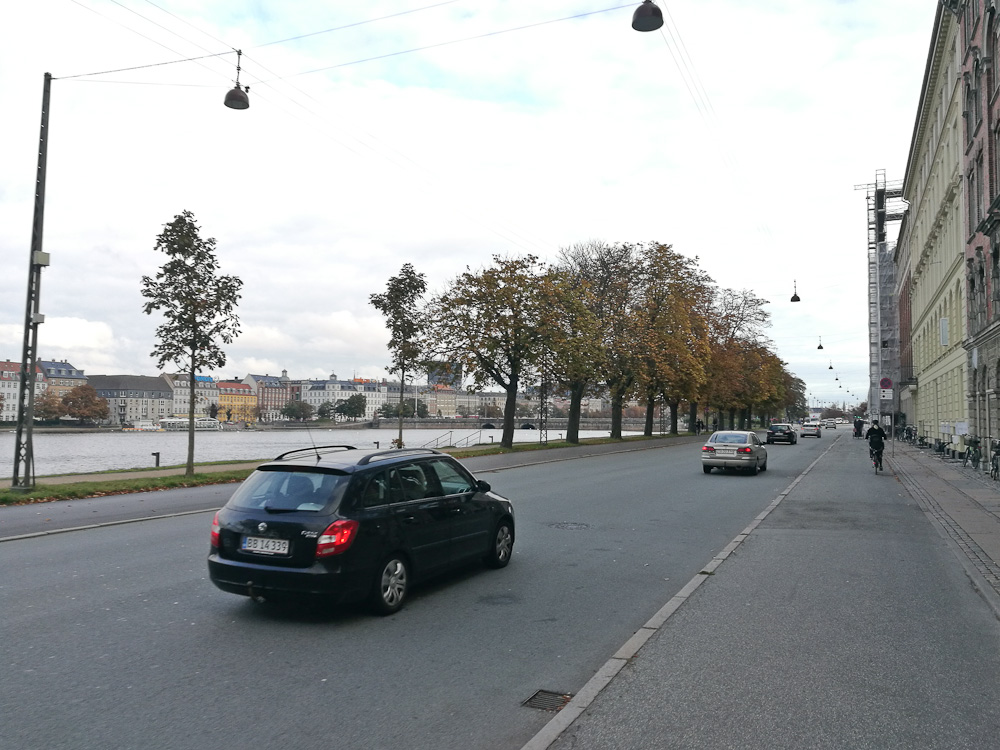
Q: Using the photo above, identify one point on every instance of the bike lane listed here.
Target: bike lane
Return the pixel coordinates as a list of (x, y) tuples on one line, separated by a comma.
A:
[(841, 618)]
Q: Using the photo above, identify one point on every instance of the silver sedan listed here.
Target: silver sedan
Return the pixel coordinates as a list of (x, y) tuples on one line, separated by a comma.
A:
[(734, 449)]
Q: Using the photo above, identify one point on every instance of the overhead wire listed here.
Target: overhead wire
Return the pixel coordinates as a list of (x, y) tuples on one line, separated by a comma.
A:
[(511, 235)]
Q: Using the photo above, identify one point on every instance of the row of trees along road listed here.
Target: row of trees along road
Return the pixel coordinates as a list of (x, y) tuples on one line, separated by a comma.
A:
[(630, 320)]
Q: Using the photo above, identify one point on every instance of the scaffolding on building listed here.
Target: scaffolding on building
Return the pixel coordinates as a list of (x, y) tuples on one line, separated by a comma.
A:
[(885, 206)]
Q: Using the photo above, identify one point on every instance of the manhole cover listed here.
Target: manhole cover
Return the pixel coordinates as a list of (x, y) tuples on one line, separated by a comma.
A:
[(570, 526), (546, 700)]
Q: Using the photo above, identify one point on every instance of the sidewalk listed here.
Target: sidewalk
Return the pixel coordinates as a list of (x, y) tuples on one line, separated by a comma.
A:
[(837, 619), (963, 501)]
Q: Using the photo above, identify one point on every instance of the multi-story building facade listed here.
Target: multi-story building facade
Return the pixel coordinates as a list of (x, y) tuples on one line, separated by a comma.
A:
[(272, 393), (62, 377), (930, 251), (980, 81), (134, 398), (10, 388), (237, 401), (332, 391), (206, 394)]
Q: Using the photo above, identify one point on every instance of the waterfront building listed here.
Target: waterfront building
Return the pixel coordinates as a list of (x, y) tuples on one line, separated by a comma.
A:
[(10, 388), (272, 393), (237, 401), (333, 391), (930, 252), (206, 394), (62, 377), (134, 398)]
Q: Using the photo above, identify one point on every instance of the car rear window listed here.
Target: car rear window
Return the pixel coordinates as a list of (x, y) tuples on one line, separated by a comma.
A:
[(282, 490), (724, 438)]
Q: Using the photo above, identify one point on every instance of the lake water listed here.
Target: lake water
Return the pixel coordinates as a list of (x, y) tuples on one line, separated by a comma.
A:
[(70, 453)]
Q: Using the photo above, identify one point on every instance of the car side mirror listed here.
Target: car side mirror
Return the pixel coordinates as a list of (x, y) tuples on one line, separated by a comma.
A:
[(483, 486)]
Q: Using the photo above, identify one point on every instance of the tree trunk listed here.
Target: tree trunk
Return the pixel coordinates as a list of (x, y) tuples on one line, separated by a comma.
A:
[(673, 416), (509, 409), (693, 417), (402, 379), (732, 418), (189, 470), (647, 429), (617, 407), (576, 391)]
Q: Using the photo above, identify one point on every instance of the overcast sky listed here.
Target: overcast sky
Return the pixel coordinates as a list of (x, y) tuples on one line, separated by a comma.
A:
[(737, 134)]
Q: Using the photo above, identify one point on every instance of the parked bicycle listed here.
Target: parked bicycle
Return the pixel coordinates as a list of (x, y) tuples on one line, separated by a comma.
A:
[(973, 452)]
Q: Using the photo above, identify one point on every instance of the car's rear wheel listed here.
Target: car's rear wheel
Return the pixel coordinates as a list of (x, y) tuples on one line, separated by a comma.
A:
[(502, 546), (754, 468), (392, 584), (707, 469), (764, 467)]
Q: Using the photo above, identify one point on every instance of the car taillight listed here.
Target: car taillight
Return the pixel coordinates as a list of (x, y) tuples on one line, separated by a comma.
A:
[(745, 449), (337, 538), (215, 531), (708, 449)]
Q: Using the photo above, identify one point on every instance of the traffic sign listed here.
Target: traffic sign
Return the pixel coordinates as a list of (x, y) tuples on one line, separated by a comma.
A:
[(885, 383), (885, 394)]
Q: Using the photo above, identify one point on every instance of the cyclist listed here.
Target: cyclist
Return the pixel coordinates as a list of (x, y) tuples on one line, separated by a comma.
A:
[(858, 427), (876, 442)]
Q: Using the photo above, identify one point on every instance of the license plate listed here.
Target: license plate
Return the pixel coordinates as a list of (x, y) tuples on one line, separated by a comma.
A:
[(260, 545), (726, 451)]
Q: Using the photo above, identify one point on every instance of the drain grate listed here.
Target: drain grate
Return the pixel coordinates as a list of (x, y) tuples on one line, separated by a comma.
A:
[(546, 700)]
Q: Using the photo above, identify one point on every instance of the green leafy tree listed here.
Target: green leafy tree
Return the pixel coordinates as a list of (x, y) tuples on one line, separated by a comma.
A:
[(401, 306), (353, 407), (325, 410), (491, 322), (299, 410), (84, 404), (198, 306)]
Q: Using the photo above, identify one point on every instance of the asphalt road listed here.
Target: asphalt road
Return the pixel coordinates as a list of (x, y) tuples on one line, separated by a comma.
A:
[(114, 637)]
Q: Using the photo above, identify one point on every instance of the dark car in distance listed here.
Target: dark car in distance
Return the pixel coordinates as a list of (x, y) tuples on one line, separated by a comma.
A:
[(782, 433), (343, 524)]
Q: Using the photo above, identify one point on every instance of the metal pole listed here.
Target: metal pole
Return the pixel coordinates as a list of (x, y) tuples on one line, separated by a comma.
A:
[(24, 458)]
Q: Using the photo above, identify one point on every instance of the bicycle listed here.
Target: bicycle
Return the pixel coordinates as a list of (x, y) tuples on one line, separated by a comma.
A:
[(973, 453), (876, 457)]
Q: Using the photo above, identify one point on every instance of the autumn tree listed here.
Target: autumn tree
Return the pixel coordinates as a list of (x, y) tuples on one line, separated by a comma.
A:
[(84, 404), (198, 306), (738, 324), (491, 322), (672, 333), (49, 406), (401, 306), (577, 299)]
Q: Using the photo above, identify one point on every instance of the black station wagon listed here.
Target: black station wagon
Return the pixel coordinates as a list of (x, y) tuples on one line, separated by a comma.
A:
[(344, 524)]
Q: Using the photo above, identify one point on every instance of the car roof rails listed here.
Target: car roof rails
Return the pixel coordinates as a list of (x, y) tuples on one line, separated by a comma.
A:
[(316, 449), (394, 452)]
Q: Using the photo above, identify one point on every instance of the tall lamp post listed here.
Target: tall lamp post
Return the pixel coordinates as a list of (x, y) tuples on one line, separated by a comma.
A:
[(23, 478)]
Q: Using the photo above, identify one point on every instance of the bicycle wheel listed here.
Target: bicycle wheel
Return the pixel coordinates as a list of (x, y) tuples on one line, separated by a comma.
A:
[(965, 458)]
